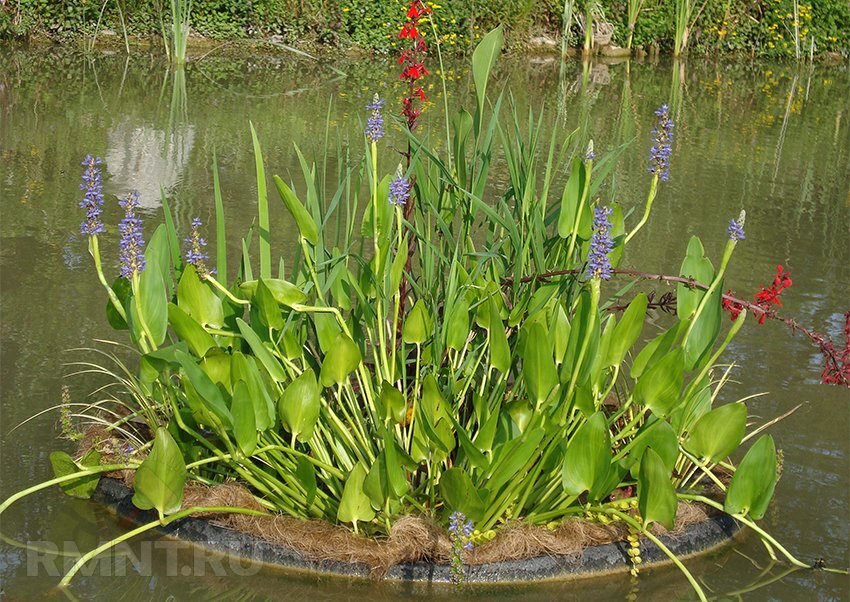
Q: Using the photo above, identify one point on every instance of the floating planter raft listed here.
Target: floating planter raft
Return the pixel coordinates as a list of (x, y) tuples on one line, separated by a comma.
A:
[(302, 545)]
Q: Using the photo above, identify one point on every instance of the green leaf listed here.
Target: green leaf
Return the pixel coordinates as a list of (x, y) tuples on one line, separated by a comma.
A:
[(299, 405), (327, 330), (483, 59), (697, 266), (560, 332), (538, 365), (705, 330), (461, 495), (718, 433), (457, 326), (262, 208), (244, 421), (575, 216), (754, 481), (656, 349), (397, 268), (512, 457), (122, 289), (342, 359), (161, 477), (306, 226), (198, 300), (283, 292), (376, 484), (267, 306), (265, 356), (305, 472), (500, 352), (355, 505), (588, 456), (417, 324), (661, 437), (395, 406), (244, 368), (154, 304), (64, 465), (220, 236), (206, 388), (660, 387), (187, 329), (657, 500), (627, 330), (394, 457)]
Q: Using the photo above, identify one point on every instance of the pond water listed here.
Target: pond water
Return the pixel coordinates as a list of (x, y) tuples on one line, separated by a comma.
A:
[(771, 138)]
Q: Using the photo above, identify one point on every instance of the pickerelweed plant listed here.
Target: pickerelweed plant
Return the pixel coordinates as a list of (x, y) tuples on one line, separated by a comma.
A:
[(503, 386)]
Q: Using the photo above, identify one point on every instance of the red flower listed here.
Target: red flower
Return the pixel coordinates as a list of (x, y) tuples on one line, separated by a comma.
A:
[(414, 71), (411, 59), (765, 299), (408, 30), (733, 308)]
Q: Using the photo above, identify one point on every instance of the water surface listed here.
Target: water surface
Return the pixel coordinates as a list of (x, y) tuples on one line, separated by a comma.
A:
[(772, 139)]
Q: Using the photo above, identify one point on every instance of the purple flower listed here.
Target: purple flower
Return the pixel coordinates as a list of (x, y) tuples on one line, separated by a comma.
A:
[(375, 123), (736, 228), (399, 190), (196, 254), (598, 262), (659, 155), (132, 241), (460, 534), (92, 201)]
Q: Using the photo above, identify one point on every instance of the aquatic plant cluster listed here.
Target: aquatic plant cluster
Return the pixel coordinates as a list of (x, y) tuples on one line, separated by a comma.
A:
[(462, 365)]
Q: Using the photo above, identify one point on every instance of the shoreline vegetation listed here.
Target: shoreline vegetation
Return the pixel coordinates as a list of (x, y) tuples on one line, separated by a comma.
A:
[(805, 30)]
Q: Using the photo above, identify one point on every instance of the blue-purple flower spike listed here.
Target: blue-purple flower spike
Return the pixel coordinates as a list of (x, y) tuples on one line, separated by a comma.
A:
[(375, 123), (460, 535), (659, 155), (92, 201), (736, 228), (132, 240), (196, 254), (601, 244), (399, 190)]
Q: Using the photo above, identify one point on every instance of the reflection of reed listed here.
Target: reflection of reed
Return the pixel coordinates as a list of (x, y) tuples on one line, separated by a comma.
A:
[(781, 142)]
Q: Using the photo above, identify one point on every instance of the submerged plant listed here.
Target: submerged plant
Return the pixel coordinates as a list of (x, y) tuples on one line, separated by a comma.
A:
[(501, 386)]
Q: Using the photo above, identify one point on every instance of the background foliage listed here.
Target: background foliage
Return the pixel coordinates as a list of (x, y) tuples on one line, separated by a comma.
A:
[(762, 27)]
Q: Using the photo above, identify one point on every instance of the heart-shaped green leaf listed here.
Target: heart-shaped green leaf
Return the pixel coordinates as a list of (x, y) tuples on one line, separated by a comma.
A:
[(64, 465), (354, 506), (283, 292), (460, 494), (657, 500), (187, 329), (342, 359), (198, 300), (588, 456), (244, 421), (161, 476), (538, 365), (417, 324), (299, 405), (660, 387), (754, 481), (718, 433)]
